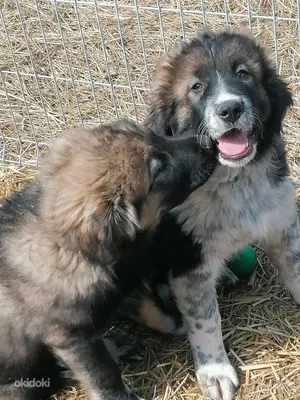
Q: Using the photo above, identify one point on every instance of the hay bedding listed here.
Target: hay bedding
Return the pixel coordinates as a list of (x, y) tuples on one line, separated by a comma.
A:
[(260, 322), (260, 326)]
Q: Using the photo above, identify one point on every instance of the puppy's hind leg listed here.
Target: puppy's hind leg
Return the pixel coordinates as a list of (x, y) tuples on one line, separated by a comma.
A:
[(92, 365), (283, 249), (35, 378)]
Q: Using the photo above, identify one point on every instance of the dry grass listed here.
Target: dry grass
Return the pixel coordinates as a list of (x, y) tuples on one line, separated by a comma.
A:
[(261, 324), (94, 102)]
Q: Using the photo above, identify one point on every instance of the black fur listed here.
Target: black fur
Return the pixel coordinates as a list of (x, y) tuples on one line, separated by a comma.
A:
[(173, 248)]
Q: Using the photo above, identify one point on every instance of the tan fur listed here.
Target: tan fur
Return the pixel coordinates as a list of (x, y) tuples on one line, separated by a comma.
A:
[(88, 182), (34, 246), (150, 315), (151, 210), (80, 181), (95, 180), (174, 73), (163, 64), (72, 243)]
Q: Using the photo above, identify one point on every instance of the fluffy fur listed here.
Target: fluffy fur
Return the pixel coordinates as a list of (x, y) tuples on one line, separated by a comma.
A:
[(222, 87), (72, 246)]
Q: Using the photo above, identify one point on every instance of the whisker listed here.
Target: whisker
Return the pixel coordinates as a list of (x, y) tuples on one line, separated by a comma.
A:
[(202, 135), (258, 121)]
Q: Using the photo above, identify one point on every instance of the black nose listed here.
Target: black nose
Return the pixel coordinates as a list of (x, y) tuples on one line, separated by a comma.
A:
[(230, 111)]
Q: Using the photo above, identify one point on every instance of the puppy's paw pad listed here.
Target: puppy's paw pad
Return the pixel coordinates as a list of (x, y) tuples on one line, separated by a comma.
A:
[(219, 381)]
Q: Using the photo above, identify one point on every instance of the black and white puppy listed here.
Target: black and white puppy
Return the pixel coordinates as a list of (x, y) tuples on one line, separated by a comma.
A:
[(73, 246), (222, 87)]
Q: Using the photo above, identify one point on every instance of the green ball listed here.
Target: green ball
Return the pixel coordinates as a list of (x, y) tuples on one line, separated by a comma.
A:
[(243, 262)]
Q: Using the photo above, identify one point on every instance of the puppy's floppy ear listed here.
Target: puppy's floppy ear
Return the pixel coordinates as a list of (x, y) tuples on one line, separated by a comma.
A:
[(162, 118), (157, 121), (280, 96), (163, 104), (155, 164), (100, 233), (91, 226), (119, 222), (164, 69), (89, 180)]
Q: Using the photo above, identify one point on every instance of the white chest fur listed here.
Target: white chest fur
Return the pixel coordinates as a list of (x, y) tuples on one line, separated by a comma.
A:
[(237, 206)]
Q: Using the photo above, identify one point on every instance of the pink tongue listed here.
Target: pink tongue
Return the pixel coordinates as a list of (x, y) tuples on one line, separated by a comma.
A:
[(233, 143)]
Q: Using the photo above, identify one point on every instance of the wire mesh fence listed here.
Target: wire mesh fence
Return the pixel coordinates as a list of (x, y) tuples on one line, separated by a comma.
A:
[(72, 62)]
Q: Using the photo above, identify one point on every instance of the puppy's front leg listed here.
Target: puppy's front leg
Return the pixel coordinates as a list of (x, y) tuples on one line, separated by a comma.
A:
[(93, 366), (196, 297)]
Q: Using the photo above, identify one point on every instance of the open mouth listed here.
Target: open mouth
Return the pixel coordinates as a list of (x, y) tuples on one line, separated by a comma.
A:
[(235, 144)]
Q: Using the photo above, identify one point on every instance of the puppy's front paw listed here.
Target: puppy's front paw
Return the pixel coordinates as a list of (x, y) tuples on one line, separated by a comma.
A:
[(219, 381)]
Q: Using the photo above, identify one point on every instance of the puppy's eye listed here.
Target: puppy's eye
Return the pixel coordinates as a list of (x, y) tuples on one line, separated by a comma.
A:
[(242, 73), (197, 86)]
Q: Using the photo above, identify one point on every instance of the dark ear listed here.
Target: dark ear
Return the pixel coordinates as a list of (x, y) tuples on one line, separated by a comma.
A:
[(119, 222), (280, 97), (157, 164), (158, 122)]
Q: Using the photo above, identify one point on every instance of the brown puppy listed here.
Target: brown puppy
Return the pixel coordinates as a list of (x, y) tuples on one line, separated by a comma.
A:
[(72, 245)]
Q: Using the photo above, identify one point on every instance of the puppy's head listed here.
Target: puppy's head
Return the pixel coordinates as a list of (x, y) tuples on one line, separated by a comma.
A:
[(222, 87), (106, 184)]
